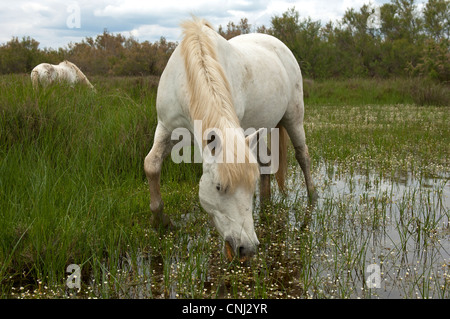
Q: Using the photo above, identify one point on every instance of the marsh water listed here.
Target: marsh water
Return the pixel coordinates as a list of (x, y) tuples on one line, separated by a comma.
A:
[(398, 222), (366, 227)]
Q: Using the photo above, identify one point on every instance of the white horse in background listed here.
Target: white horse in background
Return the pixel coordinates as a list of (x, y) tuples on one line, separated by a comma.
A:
[(46, 74), (250, 81)]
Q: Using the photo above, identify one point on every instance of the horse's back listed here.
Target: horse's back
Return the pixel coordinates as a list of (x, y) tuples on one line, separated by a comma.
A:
[(268, 54), (42, 68), (268, 82), (265, 42), (263, 74)]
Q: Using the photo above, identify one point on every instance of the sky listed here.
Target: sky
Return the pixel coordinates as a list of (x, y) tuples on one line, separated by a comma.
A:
[(56, 23)]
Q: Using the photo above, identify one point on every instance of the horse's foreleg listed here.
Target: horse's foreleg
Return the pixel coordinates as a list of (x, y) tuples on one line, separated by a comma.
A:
[(152, 166)]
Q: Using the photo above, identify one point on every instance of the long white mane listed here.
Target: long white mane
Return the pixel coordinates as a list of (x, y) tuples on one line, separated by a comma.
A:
[(46, 74), (211, 102)]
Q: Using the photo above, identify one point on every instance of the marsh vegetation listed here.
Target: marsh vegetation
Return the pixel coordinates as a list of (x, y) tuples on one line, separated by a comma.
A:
[(73, 191)]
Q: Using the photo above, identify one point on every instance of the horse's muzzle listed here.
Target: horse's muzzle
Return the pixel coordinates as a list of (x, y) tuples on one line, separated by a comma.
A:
[(243, 252)]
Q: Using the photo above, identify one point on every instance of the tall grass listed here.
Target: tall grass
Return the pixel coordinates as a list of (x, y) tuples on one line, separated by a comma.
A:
[(72, 180)]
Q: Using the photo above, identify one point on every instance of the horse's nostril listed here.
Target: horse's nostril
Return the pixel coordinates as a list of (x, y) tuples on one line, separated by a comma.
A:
[(241, 251), (246, 252)]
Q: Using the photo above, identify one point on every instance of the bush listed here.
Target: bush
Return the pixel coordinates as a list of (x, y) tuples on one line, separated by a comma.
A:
[(427, 92)]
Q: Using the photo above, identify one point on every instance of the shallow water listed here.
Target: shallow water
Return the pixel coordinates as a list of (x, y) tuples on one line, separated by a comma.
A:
[(397, 223), (400, 223)]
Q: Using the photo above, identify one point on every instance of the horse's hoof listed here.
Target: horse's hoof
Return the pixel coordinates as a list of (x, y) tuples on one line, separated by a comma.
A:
[(161, 221), (313, 197)]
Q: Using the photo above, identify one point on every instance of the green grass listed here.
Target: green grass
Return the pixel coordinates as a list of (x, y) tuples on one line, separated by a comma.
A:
[(72, 182), (392, 137), (73, 190), (362, 91)]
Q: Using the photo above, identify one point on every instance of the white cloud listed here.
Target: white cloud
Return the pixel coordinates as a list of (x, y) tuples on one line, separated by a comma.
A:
[(144, 30)]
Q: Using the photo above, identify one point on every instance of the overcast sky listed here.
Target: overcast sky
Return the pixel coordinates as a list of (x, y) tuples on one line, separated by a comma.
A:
[(55, 23)]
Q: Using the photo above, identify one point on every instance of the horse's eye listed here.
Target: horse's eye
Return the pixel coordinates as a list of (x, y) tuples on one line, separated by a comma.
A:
[(221, 189)]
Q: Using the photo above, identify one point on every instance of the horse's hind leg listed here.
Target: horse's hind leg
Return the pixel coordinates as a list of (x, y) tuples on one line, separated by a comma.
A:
[(152, 166), (297, 135)]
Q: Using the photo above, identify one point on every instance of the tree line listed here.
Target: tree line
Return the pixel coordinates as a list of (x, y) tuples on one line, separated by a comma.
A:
[(395, 40)]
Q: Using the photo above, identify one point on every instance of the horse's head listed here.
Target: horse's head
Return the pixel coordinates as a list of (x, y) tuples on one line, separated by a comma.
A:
[(231, 206)]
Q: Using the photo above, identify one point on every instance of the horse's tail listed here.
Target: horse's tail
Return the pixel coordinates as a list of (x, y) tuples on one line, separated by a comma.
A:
[(280, 175), (35, 79)]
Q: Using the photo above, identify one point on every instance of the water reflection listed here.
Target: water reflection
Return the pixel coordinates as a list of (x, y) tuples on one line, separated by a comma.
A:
[(399, 222)]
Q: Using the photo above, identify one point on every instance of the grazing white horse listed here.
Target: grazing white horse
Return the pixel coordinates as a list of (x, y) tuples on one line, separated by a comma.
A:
[(46, 74), (250, 81)]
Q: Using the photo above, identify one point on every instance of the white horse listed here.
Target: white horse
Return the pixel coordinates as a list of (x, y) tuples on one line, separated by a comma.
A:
[(250, 81), (46, 74)]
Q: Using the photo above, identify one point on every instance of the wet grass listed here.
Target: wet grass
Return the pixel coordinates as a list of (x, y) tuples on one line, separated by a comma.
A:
[(73, 191)]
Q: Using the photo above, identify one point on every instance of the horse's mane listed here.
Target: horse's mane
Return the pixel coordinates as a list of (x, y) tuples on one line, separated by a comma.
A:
[(211, 100)]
